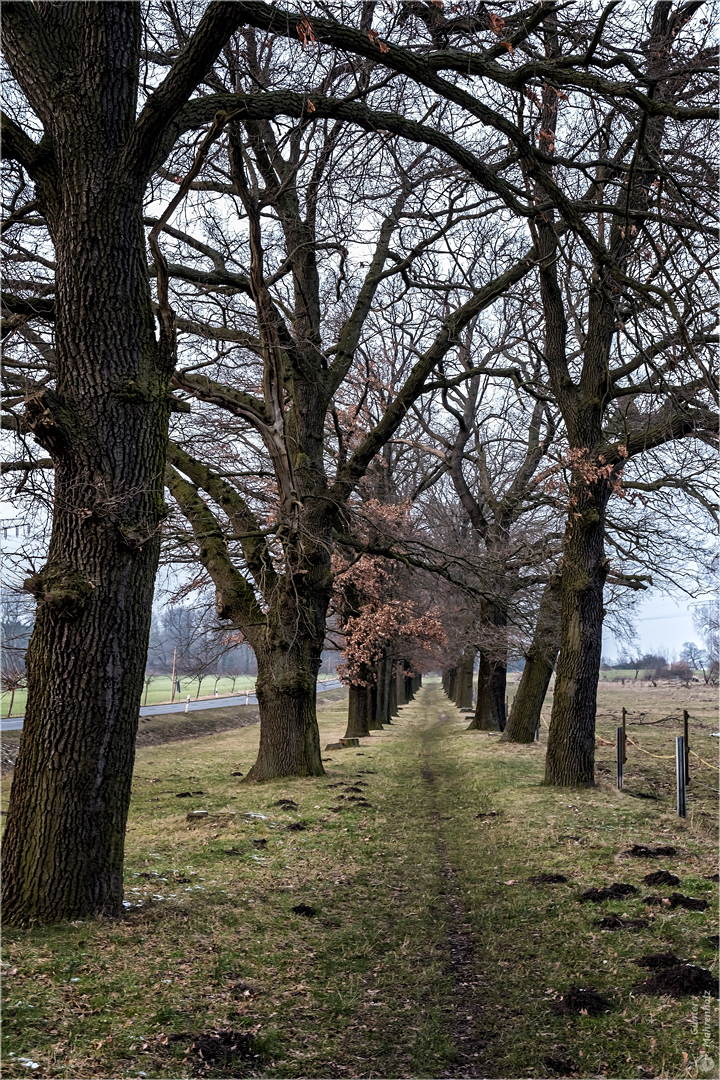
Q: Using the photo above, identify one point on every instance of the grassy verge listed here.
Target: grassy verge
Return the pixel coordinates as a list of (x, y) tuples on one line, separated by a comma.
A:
[(362, 986), (177, 727), (163, 728)]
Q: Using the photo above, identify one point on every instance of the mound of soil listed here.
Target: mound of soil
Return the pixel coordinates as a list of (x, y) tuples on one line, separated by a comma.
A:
[(655, 901), (617, 922), (237, 773), (678, 900), (355, 788), (297, 826), (218, 1049), (616, 891), (491, 813), (581, 1000), (227, 851), (658, 960), (712, 877), (640, 851), (560, 1065), (680, 979), (286, 804), (260, 843), (242, 989), (428, 774), (304, 909), (661, 877), (548, 879)]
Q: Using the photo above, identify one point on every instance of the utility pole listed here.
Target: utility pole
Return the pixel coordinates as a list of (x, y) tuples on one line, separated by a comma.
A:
[(172, 692)]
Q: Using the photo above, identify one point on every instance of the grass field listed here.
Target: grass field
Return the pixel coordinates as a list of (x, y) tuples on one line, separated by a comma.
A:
[(159, 691), (426, 951)]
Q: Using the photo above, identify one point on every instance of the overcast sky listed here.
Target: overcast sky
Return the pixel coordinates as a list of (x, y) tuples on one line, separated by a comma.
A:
[(663, 624)]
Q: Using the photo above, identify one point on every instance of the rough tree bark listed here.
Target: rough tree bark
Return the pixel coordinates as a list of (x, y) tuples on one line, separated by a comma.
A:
[(286, 692), (357, 725), (539, 665), (105, 427), (570, 760), (464, 688)]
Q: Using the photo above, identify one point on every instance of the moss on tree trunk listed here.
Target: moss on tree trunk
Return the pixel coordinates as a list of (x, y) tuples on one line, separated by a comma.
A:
[(286, 693)]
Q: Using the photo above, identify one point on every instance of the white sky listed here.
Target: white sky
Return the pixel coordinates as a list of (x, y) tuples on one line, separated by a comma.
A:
[(663, 624)]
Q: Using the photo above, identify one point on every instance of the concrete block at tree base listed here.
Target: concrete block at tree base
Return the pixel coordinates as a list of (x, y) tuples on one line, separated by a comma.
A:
[(342, 744)]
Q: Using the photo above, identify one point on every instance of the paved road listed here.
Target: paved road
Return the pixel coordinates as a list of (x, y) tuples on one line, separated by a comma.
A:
[(15, 723)]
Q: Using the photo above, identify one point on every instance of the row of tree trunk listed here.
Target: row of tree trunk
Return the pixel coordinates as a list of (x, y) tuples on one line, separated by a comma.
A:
[(377, 697), (491, 714)]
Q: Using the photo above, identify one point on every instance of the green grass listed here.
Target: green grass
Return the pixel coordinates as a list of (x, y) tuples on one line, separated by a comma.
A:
[(364, 988)]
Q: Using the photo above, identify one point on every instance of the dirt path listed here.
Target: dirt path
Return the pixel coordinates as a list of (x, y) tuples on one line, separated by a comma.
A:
[(466, 1019)]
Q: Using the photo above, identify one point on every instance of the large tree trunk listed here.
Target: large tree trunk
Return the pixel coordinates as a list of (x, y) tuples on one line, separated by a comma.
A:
[(409, 691), (492, 679), (392, 696), (400, 684), (464, 690), (286, 692), (570, 760), (380, 690), (105, 426), (539, 665), (374, 722), (384, 688), (357, 725)]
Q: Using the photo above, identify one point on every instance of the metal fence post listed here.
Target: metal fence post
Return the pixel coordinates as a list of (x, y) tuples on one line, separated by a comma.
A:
[(624, 715), (620, 757), (680, 775), (686, 717)]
